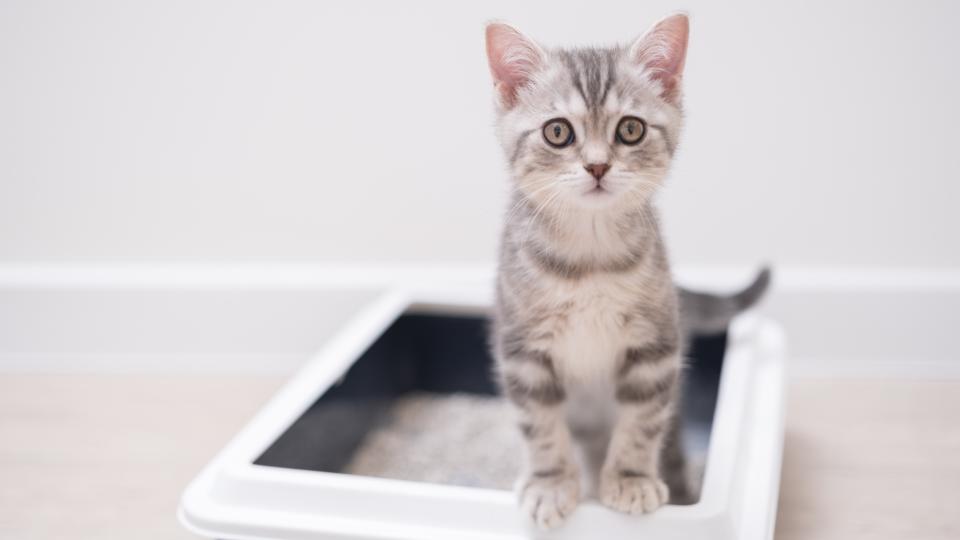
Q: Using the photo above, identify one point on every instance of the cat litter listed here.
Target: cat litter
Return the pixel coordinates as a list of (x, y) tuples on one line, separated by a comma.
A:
[(457, 439)]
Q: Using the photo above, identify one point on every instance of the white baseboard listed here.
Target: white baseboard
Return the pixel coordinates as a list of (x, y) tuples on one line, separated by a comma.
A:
[(256, 318), (878, 368), (138, 363)]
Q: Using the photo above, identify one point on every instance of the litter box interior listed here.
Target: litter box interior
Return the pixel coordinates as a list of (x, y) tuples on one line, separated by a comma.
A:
[(421, 404)]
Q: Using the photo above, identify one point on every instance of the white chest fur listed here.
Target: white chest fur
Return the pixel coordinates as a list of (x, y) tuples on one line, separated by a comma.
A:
[(589, 323)]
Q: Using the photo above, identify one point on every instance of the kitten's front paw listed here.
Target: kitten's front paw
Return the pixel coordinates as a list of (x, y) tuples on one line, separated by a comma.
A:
[(632, 493), (549, 500)]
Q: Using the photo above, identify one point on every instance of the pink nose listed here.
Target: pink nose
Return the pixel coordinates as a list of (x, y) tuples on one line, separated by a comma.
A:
[(597, 169)]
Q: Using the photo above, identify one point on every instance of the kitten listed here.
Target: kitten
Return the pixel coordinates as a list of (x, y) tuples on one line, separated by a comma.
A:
[(586, 331)]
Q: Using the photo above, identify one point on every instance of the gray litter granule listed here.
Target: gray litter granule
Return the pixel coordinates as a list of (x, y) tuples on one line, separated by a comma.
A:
[(459, 439)]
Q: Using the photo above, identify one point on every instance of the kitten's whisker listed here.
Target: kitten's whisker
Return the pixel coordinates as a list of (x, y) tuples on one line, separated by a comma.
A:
[(540, 209), (525, 198)]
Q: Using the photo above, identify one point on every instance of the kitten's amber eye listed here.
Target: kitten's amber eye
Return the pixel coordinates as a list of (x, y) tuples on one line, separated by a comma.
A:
[(558, 133), (631, 130)]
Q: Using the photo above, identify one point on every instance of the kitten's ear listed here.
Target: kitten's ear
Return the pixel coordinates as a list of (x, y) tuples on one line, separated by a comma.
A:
[(514, 58), (662, 51)]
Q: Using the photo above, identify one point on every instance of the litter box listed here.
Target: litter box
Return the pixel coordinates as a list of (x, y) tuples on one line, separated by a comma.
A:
[(312, 464)]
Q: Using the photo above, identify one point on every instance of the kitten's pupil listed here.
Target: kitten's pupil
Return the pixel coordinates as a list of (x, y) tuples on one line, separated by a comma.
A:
[(556, 131)]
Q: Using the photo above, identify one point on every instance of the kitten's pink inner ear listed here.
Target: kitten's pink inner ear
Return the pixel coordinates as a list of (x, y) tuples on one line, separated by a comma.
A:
[(513, 58), (663, 51)]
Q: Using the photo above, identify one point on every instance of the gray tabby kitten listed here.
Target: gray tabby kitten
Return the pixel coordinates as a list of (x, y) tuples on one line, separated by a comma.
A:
[(586, 331)]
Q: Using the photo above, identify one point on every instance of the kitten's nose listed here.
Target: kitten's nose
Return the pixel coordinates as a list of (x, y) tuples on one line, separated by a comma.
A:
[(597, 169)]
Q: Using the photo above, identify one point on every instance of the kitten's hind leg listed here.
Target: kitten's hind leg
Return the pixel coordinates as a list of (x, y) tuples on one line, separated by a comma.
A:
[(674, 466), (549, 488)]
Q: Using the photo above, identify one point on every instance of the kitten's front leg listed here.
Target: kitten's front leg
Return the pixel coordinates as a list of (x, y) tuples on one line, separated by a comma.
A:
[(549, 489), (647, 382)]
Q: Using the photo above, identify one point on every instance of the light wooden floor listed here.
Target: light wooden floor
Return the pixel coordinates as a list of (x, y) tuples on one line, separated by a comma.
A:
[(871, 459), (106, 456)]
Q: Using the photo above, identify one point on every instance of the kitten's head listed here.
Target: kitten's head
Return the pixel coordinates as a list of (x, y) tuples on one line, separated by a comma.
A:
[(589, 129)]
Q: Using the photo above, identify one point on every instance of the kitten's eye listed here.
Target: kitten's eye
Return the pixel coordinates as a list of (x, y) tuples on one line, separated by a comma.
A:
[(558, 133), (631, 130)]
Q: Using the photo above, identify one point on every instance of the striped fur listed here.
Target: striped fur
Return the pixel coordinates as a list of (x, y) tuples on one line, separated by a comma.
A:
[(586, 330)]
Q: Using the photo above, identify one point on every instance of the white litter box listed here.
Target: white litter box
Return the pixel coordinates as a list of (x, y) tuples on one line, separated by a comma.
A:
[(286, 475)]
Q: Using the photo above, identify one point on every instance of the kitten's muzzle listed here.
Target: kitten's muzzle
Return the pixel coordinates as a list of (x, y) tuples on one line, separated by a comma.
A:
[(597, 170)]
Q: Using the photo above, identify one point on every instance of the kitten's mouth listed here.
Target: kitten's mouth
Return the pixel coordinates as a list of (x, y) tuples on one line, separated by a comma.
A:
[(598, 189)]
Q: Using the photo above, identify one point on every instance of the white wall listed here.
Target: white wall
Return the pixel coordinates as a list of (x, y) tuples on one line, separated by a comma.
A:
[(819, 133)]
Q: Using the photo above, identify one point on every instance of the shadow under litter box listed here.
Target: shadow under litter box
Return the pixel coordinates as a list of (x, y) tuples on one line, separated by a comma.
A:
[(421, 404)]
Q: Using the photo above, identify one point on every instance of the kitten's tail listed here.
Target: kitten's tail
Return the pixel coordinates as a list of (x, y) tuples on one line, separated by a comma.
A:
[(705, 313)]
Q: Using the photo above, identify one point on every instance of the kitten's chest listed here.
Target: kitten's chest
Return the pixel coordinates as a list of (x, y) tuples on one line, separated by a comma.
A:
[(591, 322)]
